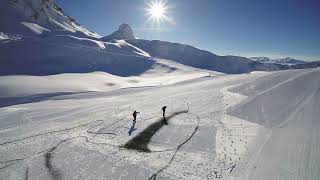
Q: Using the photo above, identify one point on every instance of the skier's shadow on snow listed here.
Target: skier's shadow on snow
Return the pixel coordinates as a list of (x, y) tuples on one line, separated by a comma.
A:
[(141, 141), (132, 129)]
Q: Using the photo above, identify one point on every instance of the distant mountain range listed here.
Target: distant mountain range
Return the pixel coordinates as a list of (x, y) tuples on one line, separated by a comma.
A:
[(51, 42), (198, 58), (284, 61)]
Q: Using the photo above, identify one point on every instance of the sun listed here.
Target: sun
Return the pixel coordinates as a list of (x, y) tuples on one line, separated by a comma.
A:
[(157, 11)]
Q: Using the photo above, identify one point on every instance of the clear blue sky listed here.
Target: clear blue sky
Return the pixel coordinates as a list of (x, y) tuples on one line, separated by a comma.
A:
[(273, 28)]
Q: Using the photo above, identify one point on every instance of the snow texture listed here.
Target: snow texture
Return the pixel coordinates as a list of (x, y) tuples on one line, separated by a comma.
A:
[(82, 136)]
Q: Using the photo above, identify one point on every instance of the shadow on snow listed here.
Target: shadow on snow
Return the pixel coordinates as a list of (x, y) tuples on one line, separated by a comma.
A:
[(141, 141)]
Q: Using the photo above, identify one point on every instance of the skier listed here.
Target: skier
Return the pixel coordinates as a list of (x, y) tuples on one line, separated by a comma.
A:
[(134, 116), (164, 111), (164, 114)]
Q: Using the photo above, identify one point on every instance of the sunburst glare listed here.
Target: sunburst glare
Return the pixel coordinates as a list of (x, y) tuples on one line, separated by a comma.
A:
[(157, 11)]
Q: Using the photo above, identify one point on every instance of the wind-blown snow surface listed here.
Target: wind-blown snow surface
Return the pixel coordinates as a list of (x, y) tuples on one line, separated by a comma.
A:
[(217, 131), (159, 74)]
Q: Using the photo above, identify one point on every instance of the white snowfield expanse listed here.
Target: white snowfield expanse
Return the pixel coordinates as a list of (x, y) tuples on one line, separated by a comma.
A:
[(248, 126), (159, 74)]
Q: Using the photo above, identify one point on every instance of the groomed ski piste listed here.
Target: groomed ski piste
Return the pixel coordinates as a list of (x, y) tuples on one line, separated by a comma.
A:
[(250, 126)]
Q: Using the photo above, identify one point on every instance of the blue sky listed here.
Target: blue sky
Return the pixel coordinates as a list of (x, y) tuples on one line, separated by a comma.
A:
[(273, 28)]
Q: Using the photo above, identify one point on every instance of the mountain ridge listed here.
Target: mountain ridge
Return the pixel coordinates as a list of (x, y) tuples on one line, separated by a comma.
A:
[(54, 43), (285, 61)]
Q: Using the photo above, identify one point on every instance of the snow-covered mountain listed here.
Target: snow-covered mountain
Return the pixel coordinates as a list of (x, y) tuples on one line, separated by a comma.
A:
[(284, 61), (261, 59), (198, 58), (30, 17), (194, 57), (124, 32), (52, 43), (289, 61)]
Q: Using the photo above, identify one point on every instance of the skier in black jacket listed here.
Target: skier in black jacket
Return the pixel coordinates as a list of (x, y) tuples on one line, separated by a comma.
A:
[(164, 111), (164, 114), (134, 116)]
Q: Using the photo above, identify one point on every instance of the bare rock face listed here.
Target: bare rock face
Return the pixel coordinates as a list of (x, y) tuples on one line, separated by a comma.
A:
[(124, 32)]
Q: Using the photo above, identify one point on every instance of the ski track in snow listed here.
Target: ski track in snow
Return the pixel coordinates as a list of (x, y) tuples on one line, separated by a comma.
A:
[(81, 136)]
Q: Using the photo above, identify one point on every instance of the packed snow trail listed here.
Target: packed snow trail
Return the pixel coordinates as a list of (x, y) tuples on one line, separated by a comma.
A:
[(291, 147), (79, 136)]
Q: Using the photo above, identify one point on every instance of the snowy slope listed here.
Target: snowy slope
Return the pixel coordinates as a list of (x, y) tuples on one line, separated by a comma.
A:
[(163, 72), (120, 64), (27, 17), (194, 57), (198, 58), (212, 133), (54, 43), (56, 54), (51, 53), (289, 113)]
